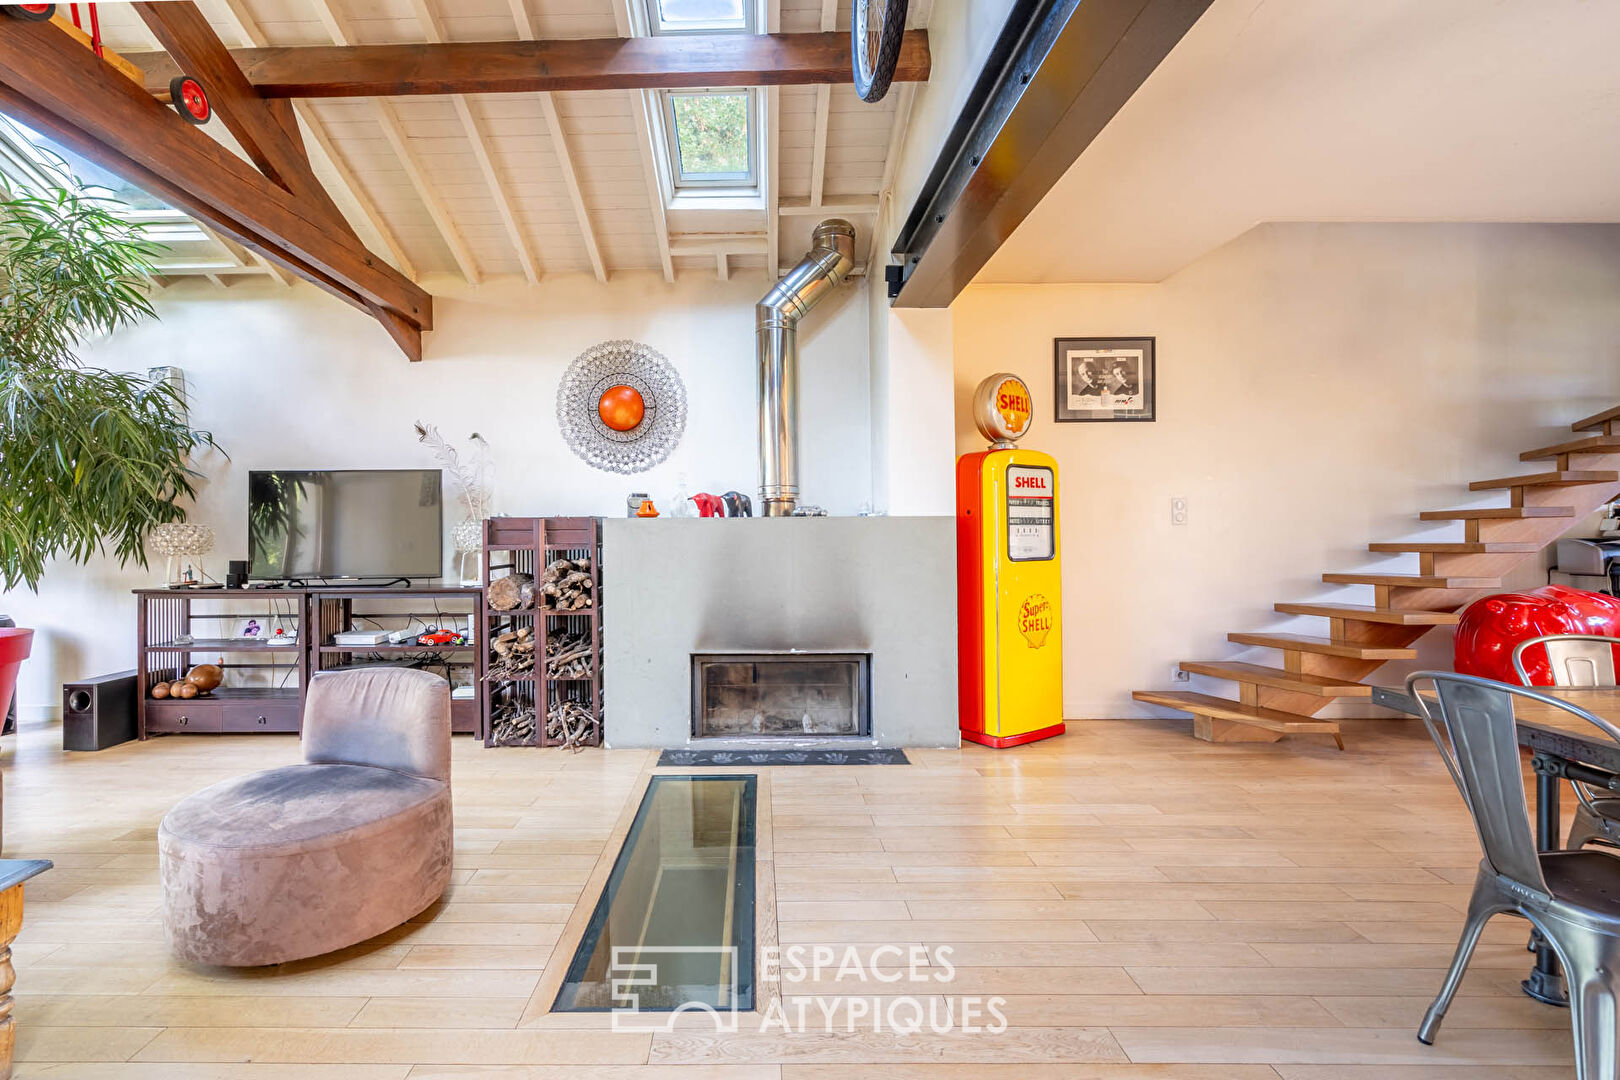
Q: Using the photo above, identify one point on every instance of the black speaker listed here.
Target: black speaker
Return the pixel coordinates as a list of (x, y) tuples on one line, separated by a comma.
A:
[(236, 577), (99, 712)]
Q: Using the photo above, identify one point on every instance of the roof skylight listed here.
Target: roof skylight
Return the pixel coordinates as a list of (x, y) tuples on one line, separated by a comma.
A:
[(699, 16), (711, 138)]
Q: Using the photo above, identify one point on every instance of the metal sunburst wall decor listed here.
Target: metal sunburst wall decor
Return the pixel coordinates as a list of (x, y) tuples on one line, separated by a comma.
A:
[(621, 406)]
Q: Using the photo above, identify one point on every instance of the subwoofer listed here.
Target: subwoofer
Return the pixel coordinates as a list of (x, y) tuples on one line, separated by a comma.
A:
[(99, 712)]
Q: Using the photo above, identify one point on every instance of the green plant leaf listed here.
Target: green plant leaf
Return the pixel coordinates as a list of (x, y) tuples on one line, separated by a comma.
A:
[(89, 459)]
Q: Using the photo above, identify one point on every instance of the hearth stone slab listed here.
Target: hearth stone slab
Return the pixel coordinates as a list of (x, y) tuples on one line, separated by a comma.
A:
[(753, 758), (677, 586)]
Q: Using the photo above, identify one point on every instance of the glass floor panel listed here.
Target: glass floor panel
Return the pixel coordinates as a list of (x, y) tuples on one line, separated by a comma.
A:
[(675, 922)]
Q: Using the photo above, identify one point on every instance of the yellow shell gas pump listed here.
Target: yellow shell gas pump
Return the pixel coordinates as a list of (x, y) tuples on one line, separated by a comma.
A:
[(1009, 590)]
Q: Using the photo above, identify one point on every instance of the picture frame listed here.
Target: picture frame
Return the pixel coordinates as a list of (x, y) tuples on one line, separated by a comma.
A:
[(1104, 379)]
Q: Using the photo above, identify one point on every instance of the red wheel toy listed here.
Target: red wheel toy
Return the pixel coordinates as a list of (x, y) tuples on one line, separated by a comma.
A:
[(190, 100), (30, 12)]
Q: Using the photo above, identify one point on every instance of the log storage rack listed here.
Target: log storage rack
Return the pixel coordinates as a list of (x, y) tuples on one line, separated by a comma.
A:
[(543, 631)]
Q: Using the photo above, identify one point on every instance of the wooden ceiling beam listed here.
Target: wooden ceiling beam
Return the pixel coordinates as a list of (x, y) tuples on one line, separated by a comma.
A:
[(239, 20), (62, 90), (505, 67), (266, 130)]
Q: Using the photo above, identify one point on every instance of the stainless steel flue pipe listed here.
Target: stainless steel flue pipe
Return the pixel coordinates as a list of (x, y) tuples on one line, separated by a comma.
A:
[(776, 321)]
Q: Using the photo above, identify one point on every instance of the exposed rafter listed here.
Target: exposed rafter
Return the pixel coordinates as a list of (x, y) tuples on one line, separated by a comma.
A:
[(624, 21), (57, 87), (570, 175), (267, 131), (247, 31), (394, 132), (818, 147), (388, 120), (771, 183), (561, 151), (484, 155), (639, 109), (503, 67)]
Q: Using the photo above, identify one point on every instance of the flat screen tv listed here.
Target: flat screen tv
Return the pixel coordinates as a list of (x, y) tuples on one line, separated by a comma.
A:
[(345, 523)]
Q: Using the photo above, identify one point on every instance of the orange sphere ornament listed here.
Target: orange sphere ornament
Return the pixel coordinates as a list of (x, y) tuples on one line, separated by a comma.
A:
[(621, 408)]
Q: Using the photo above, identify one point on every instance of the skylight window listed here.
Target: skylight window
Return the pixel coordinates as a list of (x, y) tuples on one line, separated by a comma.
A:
[(711, 137), (700, 16)]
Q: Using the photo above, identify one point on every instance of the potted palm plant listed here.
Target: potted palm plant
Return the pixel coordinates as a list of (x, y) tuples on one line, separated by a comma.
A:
[(90, 460)]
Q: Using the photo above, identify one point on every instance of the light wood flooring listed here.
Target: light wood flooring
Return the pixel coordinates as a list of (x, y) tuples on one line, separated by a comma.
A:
[(1148, 906)]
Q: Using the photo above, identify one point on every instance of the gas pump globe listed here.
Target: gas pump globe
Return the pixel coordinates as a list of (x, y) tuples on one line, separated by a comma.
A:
[(1009, 591)]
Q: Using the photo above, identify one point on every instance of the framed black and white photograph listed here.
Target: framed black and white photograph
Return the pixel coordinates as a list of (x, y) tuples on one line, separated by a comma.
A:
[(1103, 379)]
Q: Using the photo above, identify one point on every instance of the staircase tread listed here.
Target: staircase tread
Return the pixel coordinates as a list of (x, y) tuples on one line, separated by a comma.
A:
[(1368, 613), (1227, 709), (1557, 478), (1499, 512), (1413, 581), (1591, 444), (1359, 650), (1276, 678), (1596, 420), (1486, 547)]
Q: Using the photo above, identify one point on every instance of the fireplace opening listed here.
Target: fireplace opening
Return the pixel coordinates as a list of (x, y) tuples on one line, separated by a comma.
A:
[(791, 695)]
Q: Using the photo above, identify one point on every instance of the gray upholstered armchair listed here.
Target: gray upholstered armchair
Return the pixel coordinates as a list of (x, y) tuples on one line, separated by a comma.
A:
[(301, 860)]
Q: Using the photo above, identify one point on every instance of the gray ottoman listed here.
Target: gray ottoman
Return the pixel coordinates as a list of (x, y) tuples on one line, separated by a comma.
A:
[(299, 861)]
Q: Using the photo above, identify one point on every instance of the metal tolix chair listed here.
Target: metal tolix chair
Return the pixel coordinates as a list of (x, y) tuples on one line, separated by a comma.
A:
[(1581, 660), (1571, 897)]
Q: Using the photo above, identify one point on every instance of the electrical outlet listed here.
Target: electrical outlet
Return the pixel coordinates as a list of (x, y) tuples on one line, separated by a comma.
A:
[(1177, 675), (1178, 510)]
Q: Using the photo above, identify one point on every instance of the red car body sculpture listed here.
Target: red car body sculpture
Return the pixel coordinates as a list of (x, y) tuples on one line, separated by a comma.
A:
[(1491, 627)]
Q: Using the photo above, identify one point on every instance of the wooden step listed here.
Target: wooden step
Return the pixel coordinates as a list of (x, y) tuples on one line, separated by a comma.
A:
[(1222, 721), (1223, 709), (1564, 478), (1596, 420), (1276, 678), (1413, 581), (1364, 613), (1490, 547), (1495, 512), (1592, 444), (1354, 650)]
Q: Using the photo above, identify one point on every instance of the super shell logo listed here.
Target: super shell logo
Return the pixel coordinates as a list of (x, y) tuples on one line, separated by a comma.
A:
[(1012, 402), (1035, 619)]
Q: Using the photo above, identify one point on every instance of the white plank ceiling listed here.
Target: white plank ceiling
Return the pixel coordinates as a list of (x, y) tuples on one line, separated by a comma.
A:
[(533, 184)]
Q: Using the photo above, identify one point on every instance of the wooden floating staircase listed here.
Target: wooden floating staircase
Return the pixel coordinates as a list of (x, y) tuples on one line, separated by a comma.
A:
[(1316, 671)]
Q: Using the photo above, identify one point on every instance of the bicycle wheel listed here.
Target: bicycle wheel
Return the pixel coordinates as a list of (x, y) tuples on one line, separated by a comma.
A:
[(876, 28)]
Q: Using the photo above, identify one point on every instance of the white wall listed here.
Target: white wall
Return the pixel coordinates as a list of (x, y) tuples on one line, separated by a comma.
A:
[(295, 379), (911, 358), (1318, 385)]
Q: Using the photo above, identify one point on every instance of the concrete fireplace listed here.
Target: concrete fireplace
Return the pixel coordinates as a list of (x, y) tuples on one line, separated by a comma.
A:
[(844, 626)]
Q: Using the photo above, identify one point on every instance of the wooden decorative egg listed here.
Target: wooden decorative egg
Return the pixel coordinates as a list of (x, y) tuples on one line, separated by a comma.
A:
[(186, 691), (205, 677), (160, 690)]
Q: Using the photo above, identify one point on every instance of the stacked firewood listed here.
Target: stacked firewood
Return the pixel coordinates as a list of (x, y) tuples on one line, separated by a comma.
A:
[(566, 585), (568, 656), (514, 592), (514, 652), (572, 725), (512, 724)]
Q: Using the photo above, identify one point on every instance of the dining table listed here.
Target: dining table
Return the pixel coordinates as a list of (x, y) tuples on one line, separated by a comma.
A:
[(1562, 747)]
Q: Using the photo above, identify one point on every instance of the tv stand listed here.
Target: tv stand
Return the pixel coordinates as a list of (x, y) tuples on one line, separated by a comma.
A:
[(176, 630)]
